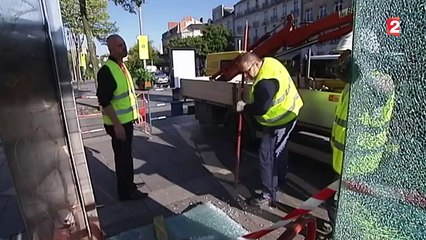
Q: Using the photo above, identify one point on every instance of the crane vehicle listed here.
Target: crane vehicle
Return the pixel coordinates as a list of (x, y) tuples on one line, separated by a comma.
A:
[(215, 96)]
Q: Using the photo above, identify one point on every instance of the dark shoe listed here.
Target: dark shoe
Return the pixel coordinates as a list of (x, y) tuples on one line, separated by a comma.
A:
[(136, 195), (326, 229), (261, 201)]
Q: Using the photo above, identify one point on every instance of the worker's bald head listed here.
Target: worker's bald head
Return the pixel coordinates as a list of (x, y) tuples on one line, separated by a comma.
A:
[(248, 58), (116, 46), (249, 64)]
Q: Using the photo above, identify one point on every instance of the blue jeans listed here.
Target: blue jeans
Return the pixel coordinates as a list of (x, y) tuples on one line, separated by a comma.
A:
[(273, 157)]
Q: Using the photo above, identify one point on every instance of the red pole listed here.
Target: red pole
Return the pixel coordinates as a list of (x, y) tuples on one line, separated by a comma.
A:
[(240, 115), (306, 221)]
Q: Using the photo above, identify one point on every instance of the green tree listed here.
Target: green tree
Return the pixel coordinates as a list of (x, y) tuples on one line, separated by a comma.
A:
[(218, 39), (215, 39), (133, 62), (87, 18), (97, 15), (129, 5)]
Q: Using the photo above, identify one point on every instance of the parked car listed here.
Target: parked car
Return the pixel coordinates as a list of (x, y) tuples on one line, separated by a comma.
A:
[(160, 78)]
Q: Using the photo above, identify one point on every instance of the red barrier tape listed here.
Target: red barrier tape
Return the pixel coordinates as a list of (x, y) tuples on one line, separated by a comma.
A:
[(411, 197), (306, 207)]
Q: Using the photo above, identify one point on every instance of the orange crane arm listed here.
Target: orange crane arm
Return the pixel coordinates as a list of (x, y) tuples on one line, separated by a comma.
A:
[(325, 29)]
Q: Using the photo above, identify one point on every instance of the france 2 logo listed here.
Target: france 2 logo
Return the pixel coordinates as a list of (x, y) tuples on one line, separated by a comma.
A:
[(393, 26)]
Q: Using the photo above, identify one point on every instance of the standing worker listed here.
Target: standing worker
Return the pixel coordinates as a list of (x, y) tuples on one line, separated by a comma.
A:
[(368, 133), (275, 105), (116, 95), (338, 132)]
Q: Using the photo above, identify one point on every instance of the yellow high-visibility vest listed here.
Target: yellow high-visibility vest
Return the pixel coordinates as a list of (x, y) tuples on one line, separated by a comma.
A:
[(124, 101), (287, 101), (371, 137)]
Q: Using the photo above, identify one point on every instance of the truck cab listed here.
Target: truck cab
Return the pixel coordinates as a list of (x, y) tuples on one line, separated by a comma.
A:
[(320, 91), (217, 61), (317, 72)]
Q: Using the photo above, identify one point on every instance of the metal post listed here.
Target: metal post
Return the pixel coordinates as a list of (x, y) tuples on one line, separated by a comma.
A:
[(149, 112), (308, 74), (305, 221), (240, 115), (140, 18)]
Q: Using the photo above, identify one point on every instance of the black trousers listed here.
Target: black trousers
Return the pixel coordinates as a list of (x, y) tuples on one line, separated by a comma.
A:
[(123, 160), (273, 157)]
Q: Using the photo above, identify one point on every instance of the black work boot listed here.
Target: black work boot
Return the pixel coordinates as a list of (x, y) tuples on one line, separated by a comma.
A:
[(261, 200), (135, 195)]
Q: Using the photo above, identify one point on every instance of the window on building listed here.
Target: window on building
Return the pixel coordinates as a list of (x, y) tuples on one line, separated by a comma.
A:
[(338, 5), (239, 10), (322, 11), (239, 29), (266, 29), (274, 13), (255, 33), (257, 4), (266, 16), (248, 5), (295, 6), (308, 15), (228, 25), (284, 10)]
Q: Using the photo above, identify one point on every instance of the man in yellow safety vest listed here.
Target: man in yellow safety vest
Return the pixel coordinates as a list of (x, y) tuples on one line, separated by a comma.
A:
[(116, 96), (368, 127), (275, 104)]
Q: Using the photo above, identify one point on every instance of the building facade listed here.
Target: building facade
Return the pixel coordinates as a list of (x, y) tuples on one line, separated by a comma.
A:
[(262, 16), (223, 15), (313, 10), (187, 27)]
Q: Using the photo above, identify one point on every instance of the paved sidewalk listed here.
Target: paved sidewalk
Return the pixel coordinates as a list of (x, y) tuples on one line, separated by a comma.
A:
[(175, 173), (181, 164)]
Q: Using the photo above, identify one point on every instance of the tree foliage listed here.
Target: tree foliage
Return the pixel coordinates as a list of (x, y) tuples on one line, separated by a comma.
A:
[(98, 18), (218, 39), (134, 63), (215, 39), (129, 5)]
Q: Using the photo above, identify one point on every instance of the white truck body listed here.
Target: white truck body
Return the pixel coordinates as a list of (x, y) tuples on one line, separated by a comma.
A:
[(318, 106), (315, 118)]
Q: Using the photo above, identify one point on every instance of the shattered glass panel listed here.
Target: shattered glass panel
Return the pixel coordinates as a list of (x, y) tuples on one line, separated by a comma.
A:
[(383, 191), (203, 222)]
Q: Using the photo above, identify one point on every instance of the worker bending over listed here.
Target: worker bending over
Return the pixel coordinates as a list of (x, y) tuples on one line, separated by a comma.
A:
[(116, 95), (275, 104)]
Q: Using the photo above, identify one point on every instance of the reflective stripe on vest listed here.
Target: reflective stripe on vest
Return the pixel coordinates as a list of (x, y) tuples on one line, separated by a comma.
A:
[(124, 101), (371, 141), (287, 101), (120, 96)]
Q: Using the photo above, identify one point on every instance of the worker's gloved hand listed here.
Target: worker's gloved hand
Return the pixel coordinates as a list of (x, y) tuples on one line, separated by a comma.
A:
[(240, 106)]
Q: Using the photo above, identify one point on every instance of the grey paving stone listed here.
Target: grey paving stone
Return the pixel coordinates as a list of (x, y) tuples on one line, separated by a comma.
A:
[(203, 184), (156, 181), (122, 217), (167, 196)]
